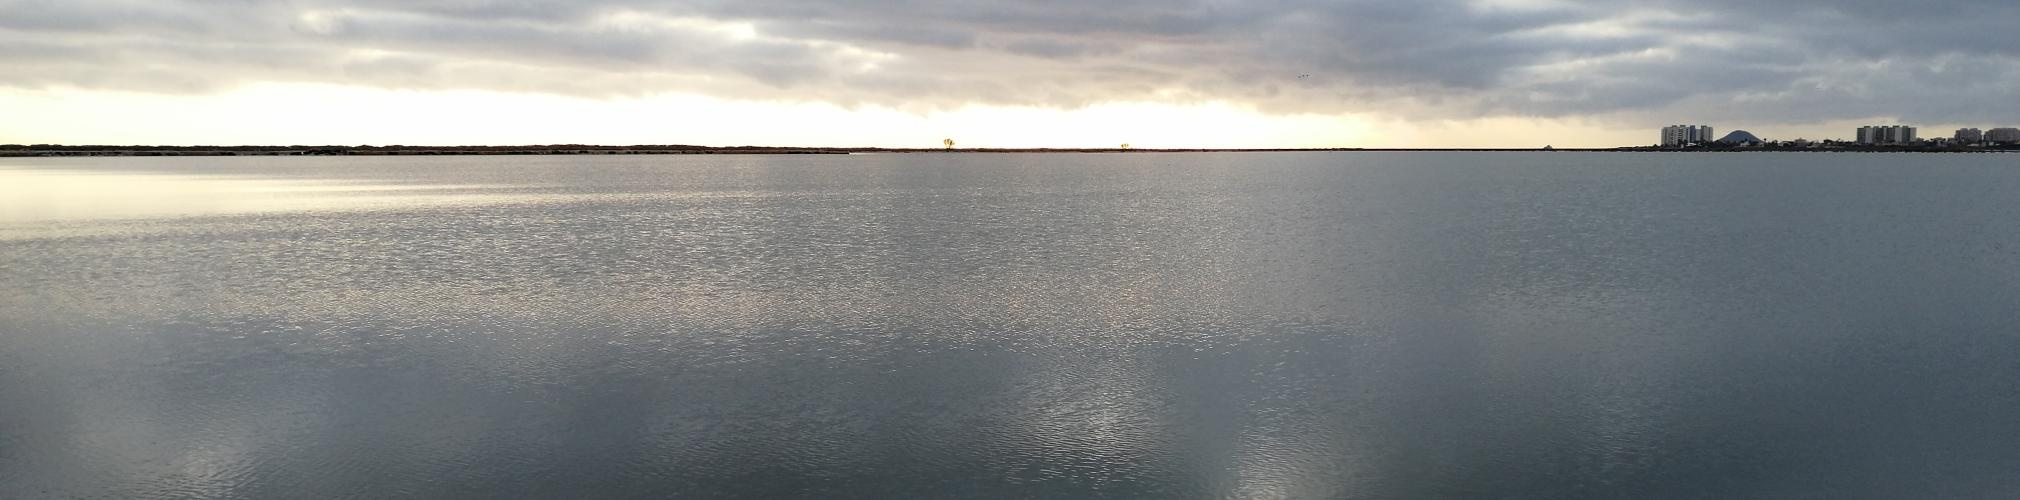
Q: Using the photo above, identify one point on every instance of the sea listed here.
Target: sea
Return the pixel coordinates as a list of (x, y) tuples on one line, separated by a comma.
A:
[(1332, 325)]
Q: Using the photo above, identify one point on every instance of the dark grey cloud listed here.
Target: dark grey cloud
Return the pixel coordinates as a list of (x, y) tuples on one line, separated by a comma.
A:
[(1634, 60)]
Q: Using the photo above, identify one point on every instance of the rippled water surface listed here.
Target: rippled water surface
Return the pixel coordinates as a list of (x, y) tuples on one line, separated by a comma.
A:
[(1354, 325)]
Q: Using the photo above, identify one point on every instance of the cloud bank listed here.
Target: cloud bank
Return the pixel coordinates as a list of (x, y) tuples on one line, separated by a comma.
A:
[(1791, 61)]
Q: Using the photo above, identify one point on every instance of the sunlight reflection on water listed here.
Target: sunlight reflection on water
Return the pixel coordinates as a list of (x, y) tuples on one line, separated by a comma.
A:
[(42, 195), (1011, 326)]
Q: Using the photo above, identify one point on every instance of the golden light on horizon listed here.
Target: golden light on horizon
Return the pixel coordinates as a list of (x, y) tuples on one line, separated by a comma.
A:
[(318, 114), (285, 114)]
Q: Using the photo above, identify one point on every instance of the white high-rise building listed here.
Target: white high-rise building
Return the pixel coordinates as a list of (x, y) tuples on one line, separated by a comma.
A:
[(1969, 136), (1886, 134), (2003, 135), (1678, 135)]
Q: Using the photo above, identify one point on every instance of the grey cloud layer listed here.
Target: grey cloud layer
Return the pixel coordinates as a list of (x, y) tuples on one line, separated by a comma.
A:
[(1937, 61)]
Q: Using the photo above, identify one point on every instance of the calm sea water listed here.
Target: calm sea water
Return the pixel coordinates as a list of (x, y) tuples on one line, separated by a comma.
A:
[(1359, 325)]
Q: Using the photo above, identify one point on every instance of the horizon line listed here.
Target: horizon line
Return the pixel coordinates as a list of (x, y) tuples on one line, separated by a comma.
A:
[(100, 150)]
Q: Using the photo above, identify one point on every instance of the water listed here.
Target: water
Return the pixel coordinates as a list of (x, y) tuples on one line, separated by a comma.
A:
[(1358, 325)]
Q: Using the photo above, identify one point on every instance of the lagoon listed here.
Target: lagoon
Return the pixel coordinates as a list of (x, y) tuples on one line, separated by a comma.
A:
[(1143, 325)]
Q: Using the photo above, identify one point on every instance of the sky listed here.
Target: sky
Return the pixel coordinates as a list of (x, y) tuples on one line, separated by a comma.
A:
[(996, 73)]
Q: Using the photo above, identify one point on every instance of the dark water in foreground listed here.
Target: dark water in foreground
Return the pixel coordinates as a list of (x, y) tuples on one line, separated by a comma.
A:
[(1365, 325)]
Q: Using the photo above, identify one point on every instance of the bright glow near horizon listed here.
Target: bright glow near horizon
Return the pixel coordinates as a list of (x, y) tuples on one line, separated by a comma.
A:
[(314, 114)]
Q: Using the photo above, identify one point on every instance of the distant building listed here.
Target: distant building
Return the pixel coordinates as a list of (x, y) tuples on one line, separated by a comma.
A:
[(1678, 135), (1892, 134), (2003, 135), (1969, 136)]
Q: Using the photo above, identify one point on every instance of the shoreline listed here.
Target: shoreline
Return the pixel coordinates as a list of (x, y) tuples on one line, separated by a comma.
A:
[(47, 150)]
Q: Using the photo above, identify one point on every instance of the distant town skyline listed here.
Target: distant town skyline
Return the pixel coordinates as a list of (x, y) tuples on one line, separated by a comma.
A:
[(882, 73), (1685, 135)]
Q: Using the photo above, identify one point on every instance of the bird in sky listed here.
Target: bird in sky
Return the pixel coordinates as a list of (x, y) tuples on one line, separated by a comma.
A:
[(1301, 77)]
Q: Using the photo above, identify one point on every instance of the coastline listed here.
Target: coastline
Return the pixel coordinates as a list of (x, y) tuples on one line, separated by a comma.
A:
[(49, 150)]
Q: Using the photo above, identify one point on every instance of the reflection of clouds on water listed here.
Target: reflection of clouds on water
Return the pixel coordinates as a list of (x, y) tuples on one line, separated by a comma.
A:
[(41, 196), (1126, 328)]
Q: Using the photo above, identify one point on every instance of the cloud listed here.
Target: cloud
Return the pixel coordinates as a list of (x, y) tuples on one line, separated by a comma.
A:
[(1626, 60)]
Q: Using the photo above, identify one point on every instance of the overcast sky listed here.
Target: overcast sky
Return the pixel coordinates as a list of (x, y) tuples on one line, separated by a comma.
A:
[(1519, 73)]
